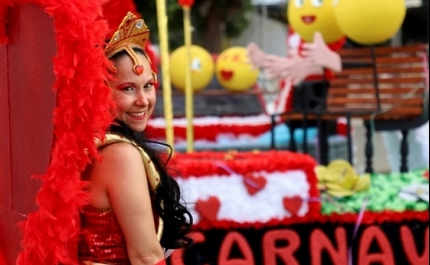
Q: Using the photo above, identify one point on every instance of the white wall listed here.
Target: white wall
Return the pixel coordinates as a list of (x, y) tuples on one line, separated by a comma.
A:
[(413, 3), (268, 34)]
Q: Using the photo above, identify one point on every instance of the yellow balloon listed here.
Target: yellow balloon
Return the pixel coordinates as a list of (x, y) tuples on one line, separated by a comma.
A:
[(234, 70), (309, 16), (202, 68), (370, 21)]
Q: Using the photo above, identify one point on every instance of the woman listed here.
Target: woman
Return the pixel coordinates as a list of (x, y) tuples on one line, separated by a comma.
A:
[(134, 210)]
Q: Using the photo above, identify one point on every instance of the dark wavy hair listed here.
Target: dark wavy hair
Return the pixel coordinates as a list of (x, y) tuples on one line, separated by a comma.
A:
[(176, 217)]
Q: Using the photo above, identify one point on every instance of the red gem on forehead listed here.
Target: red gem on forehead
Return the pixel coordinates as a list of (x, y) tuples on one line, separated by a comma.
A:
[(138, 69)]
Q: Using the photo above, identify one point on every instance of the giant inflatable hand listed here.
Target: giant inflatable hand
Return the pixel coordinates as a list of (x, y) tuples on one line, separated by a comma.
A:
[(318, 53), (292, 69), (256, 55), (295, 68), (275, 67), (313, 39)]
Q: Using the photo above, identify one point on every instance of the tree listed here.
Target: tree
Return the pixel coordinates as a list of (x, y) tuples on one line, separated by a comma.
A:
[(212, 20)]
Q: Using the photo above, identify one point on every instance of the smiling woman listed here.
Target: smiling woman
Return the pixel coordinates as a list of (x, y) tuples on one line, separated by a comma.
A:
[(134, 210)]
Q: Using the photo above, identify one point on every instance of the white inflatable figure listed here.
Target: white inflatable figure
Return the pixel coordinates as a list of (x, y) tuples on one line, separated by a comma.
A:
[(312, 42)]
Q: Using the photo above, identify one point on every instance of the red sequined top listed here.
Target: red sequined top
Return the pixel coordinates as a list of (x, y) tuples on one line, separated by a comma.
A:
[(102, 240)]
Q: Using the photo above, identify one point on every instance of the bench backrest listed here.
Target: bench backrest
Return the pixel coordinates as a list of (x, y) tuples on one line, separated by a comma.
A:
[(401, 73)]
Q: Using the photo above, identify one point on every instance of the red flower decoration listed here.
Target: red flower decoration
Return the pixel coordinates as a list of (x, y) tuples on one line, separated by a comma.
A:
[(426, 174), (188, 3), (209, 131)]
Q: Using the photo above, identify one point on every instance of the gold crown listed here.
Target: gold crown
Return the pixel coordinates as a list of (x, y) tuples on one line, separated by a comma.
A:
[(131, 33)]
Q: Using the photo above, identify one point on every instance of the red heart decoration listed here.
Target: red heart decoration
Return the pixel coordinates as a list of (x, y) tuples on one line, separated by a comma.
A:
[(254, 183), (293, 204), (208, 209), (138, 69)]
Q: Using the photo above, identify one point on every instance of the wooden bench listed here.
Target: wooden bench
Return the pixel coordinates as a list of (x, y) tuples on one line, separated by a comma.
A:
[(387, 87)]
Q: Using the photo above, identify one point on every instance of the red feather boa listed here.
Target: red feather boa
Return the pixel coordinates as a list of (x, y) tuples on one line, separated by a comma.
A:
[(83, 102), (4, 10)]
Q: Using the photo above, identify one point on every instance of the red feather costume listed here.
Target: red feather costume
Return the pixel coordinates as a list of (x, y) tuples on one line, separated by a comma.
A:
[(80, 67)]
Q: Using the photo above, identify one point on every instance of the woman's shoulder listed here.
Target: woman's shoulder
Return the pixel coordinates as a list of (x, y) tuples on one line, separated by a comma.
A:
[(121, 154), (119, 162), (116, 149), (112, 138), (119, 146), (120, 151), (115, 143)]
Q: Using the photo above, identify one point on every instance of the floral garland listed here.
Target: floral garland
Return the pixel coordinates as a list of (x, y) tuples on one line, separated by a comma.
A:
[(202, 163), (209, 128), (83, 101), (211, 132)]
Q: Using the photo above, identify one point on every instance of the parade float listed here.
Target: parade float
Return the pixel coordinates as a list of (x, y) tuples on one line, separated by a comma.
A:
[(274, 208), (250, 208), (280, 207)]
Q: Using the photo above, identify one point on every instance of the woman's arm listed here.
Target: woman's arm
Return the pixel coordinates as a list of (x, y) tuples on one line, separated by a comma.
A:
[(123, 177)]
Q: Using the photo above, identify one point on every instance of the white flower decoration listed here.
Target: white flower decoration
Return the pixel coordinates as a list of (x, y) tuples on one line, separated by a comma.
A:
[(415, 192)]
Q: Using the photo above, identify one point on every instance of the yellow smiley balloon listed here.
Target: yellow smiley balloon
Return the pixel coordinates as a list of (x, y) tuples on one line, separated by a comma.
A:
[(234, 70), (309, 16), (202, 68), (368, 21)]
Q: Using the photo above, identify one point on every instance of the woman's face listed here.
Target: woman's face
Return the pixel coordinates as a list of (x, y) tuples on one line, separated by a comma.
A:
[(133, 94)]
